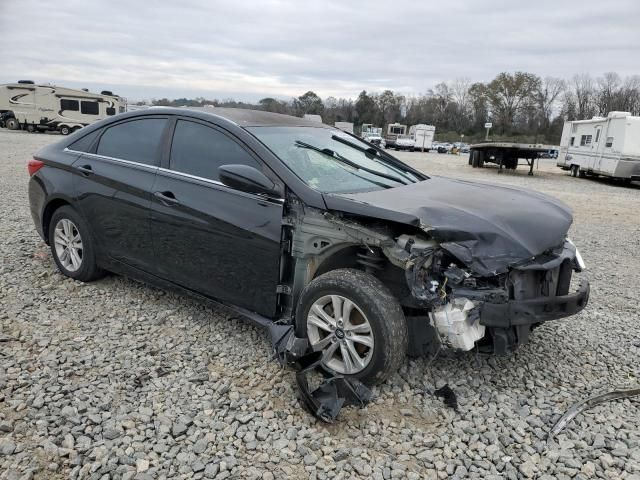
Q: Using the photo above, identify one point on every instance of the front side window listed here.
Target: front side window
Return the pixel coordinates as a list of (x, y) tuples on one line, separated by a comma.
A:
[(136, 141), (585, 140), (331, 161), (89, 108), (597, 135), (111, 111), (199, 150), (70, 105), (573, 139)]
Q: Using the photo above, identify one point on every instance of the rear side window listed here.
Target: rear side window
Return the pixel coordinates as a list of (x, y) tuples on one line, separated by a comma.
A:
[(85, 143), (89, 108), (199, 150), (70, 105), (136, 141)]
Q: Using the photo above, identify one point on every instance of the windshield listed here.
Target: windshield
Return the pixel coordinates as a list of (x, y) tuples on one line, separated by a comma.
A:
[(331, 161)]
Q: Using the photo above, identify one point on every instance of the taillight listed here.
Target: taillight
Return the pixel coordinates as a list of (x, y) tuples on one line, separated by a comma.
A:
[(34, 165)]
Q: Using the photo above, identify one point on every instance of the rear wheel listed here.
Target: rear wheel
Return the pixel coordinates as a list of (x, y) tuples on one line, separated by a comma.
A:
[(574, 170), (72, 247), (64, 130), (31, 128), (356, 322)]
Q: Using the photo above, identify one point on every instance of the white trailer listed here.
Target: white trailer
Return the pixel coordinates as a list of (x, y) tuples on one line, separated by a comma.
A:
[(394, 130), (344, 126), (602, 146), (423, 136), (25, 105)]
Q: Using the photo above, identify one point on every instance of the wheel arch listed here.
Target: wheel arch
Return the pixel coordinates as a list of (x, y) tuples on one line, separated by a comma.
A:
[(49, 209)]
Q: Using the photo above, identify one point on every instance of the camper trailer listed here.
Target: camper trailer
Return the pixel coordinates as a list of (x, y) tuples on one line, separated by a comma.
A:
[(25, 105), (602, 146), (422, 135), (393, 131)]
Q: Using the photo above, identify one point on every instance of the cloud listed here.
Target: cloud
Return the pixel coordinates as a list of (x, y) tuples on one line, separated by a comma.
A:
[(251, 49)]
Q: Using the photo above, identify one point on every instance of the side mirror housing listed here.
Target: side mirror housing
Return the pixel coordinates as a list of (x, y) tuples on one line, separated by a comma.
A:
[(247, 179)]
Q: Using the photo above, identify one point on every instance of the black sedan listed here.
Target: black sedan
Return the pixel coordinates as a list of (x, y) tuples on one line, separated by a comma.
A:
[(293, 221)]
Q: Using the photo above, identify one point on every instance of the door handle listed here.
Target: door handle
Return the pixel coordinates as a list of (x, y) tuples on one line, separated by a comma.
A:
[(85, 170), (168, 198)]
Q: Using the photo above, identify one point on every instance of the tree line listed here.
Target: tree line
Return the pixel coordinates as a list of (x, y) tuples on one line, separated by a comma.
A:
[(521, 106)]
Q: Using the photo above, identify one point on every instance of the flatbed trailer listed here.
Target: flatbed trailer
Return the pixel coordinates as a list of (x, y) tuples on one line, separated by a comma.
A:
[(506, 154)]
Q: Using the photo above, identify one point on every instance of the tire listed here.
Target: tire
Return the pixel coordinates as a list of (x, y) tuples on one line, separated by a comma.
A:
[(87, 268), (373, 305), (574, 170), (31, 128), (12, 124), (64, 130)]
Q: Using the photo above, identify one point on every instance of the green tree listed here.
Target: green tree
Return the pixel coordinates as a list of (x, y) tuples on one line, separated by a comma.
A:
[(272, 105), (365, 108), (308, 103), (510, 95)]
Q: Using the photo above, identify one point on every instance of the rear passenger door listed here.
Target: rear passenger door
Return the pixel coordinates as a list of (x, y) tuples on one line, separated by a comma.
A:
[(113, 180), (211, 238)]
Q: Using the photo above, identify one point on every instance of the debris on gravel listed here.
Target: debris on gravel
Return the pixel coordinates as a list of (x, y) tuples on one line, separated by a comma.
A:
[(116, 379)]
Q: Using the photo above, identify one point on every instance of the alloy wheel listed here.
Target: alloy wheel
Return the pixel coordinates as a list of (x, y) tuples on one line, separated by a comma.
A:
[(68, 245), (337, 327)]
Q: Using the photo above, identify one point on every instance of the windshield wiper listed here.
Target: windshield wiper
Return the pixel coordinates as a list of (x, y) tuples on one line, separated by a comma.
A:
[(371, 153), (336, 156)]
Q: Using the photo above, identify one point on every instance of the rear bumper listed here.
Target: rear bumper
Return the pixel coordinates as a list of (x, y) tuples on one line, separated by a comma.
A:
[(529, 312)]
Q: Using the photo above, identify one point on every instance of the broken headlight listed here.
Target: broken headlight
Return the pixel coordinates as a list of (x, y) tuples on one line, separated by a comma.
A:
[(578, 261)]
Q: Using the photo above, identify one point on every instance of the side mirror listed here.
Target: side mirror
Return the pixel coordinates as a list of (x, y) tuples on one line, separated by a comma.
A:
[(247, 179)]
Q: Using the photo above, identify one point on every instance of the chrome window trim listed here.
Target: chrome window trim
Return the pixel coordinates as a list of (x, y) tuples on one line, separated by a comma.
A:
[(121, 160), (180, 174), (218, 184)]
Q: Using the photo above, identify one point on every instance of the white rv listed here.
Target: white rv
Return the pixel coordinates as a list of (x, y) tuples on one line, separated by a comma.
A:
[(602, 146), (31, 107), (423, 136), (393, 131), (344, 126)]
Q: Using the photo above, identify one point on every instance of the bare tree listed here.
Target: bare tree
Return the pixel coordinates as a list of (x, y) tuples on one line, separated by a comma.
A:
[(547, 95), (584, 92)]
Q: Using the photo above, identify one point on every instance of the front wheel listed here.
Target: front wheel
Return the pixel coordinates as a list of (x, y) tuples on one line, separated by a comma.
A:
[(356, 322), (64, 130), (12, 124)]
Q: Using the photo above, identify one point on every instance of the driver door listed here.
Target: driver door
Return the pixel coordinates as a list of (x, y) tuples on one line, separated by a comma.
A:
[(211, 238)]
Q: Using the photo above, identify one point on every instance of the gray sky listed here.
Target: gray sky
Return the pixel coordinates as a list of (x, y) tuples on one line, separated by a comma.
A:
[(255, 48)]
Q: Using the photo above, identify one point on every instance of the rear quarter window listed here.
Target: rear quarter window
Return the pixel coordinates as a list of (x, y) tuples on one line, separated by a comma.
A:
[(86, 143), (136, 141)]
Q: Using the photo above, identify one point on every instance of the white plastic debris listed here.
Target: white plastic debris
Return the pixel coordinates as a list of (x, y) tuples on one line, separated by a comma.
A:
[(454, 325)]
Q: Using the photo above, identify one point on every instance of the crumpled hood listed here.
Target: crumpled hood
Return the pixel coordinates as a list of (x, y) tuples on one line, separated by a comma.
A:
[(488, 227)]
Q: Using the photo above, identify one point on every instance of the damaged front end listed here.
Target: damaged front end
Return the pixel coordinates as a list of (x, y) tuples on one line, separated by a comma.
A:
[(455, 292), (496, 311)]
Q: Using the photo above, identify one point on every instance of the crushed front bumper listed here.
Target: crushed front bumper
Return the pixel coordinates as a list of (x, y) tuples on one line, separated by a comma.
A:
[(535, 310), (510, 323)]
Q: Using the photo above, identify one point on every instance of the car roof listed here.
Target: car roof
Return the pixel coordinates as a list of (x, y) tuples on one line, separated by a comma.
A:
[(243, 117)]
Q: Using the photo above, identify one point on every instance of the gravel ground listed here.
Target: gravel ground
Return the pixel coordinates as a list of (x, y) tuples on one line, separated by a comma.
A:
[(116, 379)]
